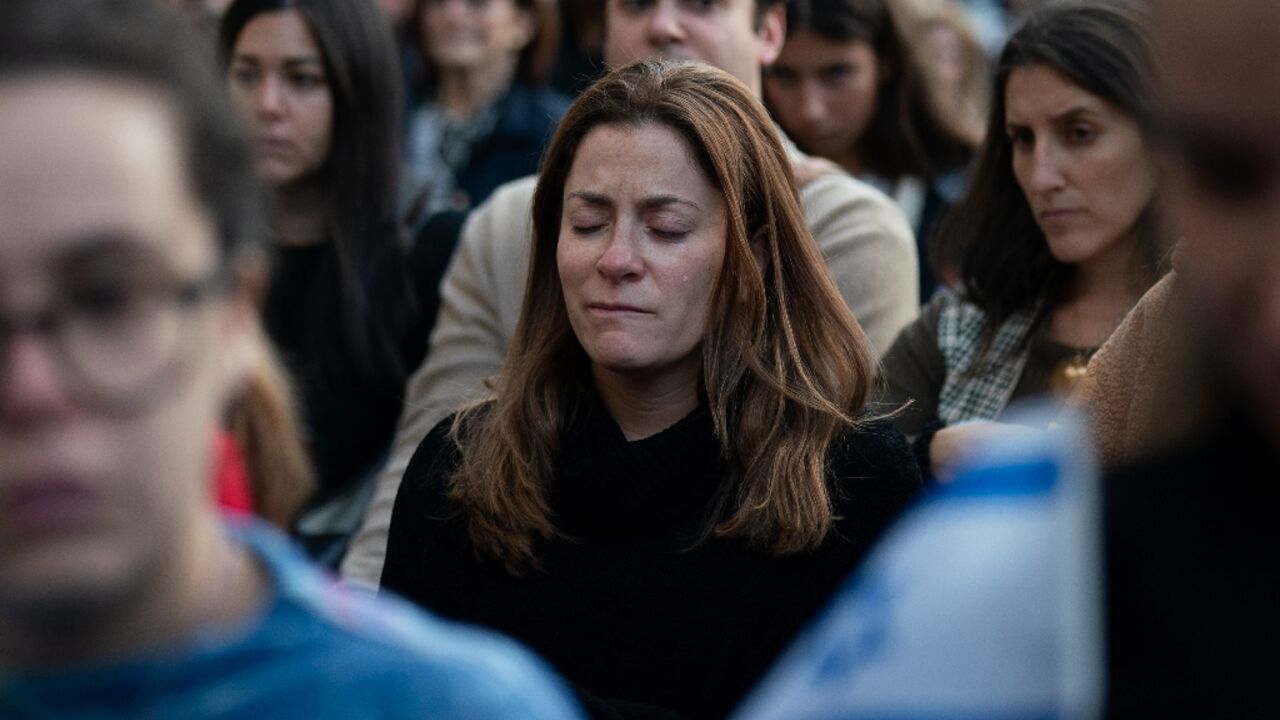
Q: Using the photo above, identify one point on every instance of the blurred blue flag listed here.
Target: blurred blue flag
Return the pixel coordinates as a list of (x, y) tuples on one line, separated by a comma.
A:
[(983, 601)]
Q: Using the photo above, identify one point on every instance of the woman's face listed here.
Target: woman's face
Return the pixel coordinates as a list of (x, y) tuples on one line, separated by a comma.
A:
[(277, 79), (642, 239), (1081, 163), (824, 93), (470, 34), (99, 225)]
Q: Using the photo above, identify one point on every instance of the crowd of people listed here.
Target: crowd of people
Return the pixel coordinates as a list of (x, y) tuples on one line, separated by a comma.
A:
[(523, 359)]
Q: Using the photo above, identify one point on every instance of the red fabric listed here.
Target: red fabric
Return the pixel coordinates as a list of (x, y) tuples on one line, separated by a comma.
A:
[(231, 476)]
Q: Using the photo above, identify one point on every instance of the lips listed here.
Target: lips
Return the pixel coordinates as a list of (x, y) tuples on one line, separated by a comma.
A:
[(46, 504), (1057, 214), (274, 146), (616, 309)]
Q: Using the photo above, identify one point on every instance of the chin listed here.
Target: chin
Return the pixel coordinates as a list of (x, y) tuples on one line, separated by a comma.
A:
[(57, 580), (1073, 249)]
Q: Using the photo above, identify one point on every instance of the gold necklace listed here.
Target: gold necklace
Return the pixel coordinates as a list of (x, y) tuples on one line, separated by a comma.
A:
[(1068, 373)]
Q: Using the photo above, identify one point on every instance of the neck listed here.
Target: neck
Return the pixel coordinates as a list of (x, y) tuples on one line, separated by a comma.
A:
[(463, 91), (1110, 278), (643, 407), (851, 162), (299, 216), (1100, 293), (207, 583)]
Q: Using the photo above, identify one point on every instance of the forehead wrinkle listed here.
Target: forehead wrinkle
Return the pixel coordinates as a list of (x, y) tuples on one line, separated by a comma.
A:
[(660, 201)]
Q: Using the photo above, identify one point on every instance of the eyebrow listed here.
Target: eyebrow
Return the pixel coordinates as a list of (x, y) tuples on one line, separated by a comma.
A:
[(108, 244), (650, 203), (295, 61), (1059, 117)]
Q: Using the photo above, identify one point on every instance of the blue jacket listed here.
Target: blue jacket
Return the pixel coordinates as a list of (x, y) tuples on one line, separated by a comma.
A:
[(319, 650)]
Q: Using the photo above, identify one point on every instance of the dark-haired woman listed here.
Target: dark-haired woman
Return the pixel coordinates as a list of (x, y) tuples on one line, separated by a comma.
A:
[(1055, 240), (847, 87), (482, 122), (319, 84), (674, 471)]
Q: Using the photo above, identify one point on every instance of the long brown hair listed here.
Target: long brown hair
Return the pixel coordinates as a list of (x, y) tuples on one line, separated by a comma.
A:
[(785, 367)]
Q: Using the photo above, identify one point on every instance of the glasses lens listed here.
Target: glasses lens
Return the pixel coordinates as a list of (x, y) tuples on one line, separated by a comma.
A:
[(120, 341)]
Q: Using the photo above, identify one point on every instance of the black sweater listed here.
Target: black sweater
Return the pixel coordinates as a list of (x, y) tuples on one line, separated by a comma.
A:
[(632, 610), (1193, 578)]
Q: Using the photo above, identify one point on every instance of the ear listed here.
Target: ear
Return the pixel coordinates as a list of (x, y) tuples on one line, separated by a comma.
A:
[(772, 32)]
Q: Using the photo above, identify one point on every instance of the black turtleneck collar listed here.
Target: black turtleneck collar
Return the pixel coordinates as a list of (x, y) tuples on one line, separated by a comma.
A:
[(606, 485)]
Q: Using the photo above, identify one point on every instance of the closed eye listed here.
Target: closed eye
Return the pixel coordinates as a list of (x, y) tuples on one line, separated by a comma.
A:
[(669, 234)]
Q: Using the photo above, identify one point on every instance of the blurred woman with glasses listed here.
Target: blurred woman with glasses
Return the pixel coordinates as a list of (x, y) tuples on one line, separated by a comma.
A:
[(130, 259)]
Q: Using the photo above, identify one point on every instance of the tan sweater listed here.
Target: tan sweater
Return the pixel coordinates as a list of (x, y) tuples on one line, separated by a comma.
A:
[(1127, 375), (863, 236)]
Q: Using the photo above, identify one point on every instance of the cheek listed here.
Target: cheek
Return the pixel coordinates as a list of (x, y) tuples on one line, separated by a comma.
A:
[(857, 100), (321, 124)]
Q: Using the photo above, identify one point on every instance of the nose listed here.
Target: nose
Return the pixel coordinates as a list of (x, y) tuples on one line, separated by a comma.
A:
[(620, 261), (1046, 168), (664, 27), (812, 108), (268, 99), (31, 389)]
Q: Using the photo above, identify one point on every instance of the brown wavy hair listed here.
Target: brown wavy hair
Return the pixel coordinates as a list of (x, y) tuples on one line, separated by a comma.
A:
[(785, 367)]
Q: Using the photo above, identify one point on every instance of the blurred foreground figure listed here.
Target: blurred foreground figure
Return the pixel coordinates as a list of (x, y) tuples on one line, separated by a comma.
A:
[(128, 257), (1192, 572)]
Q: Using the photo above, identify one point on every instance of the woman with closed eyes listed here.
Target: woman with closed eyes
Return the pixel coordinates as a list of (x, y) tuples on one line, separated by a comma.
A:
[(674, 470)]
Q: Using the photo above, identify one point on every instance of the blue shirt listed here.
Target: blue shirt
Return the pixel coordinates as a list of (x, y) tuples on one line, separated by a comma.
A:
[(320, 650)]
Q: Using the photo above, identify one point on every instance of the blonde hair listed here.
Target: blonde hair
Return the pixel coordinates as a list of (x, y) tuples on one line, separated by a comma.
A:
[(785, 367), (263, 419)]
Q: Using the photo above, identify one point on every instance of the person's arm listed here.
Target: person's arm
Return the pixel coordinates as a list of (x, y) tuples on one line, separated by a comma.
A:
[(870, 251), (913, 372), (479, 303)]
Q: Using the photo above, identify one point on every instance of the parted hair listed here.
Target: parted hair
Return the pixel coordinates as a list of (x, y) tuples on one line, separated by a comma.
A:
[(1102, 46), (909, 133), (785, 366)]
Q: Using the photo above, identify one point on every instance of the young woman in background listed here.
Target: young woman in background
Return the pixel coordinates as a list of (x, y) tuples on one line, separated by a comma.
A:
[(847, 87)]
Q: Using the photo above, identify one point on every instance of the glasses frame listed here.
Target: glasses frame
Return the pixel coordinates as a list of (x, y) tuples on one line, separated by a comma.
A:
[(51, 325)]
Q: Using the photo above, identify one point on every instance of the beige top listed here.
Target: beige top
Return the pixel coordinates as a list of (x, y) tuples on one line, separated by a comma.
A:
[(865, 239), (1129, 373)]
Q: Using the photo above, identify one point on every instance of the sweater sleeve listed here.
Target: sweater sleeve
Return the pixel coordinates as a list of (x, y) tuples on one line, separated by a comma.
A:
[(870, 251), (479, 302), (914, 371)]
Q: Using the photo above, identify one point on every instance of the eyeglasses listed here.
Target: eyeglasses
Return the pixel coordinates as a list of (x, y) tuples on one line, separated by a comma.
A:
[(118, 339), (471, 4)]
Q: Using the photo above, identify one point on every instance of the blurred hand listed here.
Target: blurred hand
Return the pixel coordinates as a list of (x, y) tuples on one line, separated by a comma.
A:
[(953, 444)]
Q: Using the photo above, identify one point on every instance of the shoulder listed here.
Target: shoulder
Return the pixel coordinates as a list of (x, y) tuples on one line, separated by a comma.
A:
[(386, 655), (498, 227), (531, 111), (833, 197), (875, 461), (435, 458), (510, 203)]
